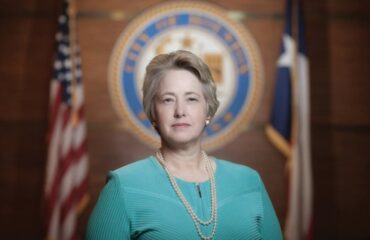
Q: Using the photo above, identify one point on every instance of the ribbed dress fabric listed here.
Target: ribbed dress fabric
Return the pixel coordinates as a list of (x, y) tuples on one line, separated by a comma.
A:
[(138, 202)]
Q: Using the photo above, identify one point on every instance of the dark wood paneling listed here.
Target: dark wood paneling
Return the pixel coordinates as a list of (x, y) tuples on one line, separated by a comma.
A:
[(324, 179), (27, 42), (339, 56), (22, 161), (352, 182), (350, 58)]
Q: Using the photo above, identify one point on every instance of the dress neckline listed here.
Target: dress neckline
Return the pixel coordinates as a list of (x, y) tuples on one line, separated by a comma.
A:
[(180, 180)]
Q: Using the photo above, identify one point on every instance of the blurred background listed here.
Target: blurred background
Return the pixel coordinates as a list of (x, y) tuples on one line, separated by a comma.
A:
[(337, 41)]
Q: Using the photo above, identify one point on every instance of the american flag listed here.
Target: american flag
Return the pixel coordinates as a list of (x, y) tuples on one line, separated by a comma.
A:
[(289, 129), (65, 190)]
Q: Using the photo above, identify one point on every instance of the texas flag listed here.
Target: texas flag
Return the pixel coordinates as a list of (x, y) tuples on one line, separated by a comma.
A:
[(289, 128)]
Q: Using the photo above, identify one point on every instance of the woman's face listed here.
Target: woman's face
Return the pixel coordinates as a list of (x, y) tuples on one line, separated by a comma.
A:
[(180, 108)]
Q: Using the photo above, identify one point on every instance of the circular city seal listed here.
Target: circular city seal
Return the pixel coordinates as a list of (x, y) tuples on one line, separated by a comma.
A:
[(204, 29)]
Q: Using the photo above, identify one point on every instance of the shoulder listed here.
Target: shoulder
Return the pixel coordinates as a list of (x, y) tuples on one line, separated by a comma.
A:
[(236, 168), (236, 172), (132, 175), (135, 167)]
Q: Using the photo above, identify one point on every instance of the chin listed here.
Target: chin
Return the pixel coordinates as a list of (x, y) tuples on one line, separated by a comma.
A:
[(177, 141)]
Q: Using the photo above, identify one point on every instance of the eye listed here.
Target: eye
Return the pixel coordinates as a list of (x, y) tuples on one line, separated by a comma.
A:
[(167, 100), (192, 99)]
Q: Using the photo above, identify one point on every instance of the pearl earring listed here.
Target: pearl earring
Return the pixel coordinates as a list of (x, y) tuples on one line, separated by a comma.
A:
[(207, 122)]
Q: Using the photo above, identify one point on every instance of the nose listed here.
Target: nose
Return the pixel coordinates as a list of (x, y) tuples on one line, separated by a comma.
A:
[(179, 110)]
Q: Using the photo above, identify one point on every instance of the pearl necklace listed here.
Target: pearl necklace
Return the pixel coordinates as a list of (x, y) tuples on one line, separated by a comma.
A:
[(196, 220)]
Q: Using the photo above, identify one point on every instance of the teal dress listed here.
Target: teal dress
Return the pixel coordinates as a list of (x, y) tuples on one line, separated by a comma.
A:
[(138, 202)]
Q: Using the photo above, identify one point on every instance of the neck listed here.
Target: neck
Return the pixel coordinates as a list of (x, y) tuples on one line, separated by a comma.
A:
[(183, 159)]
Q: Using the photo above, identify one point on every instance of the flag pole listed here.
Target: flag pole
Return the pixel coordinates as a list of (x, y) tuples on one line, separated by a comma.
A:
[(72, 44), (74, 51)]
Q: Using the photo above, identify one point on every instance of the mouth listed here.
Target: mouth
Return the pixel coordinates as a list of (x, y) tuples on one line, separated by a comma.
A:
[(180, 125)]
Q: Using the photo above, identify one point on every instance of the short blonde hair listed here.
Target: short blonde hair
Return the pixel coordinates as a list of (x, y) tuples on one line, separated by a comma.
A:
[(178, 60)]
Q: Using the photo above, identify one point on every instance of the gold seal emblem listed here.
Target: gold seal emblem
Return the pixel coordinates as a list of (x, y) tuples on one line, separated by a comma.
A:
[(224, 44)]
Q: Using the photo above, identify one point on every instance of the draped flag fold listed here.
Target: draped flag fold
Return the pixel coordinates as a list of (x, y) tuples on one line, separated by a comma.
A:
[(65, 192), (289, 128)]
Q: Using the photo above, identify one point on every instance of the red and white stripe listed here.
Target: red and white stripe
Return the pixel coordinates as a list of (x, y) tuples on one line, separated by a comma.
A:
[(67, 165)]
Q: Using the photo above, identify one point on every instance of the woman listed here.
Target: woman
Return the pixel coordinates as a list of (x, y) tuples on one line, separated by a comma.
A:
[(181, 193)]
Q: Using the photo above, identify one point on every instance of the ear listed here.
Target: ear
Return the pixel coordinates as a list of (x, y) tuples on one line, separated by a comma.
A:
[(208, 121), (154, 120)]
